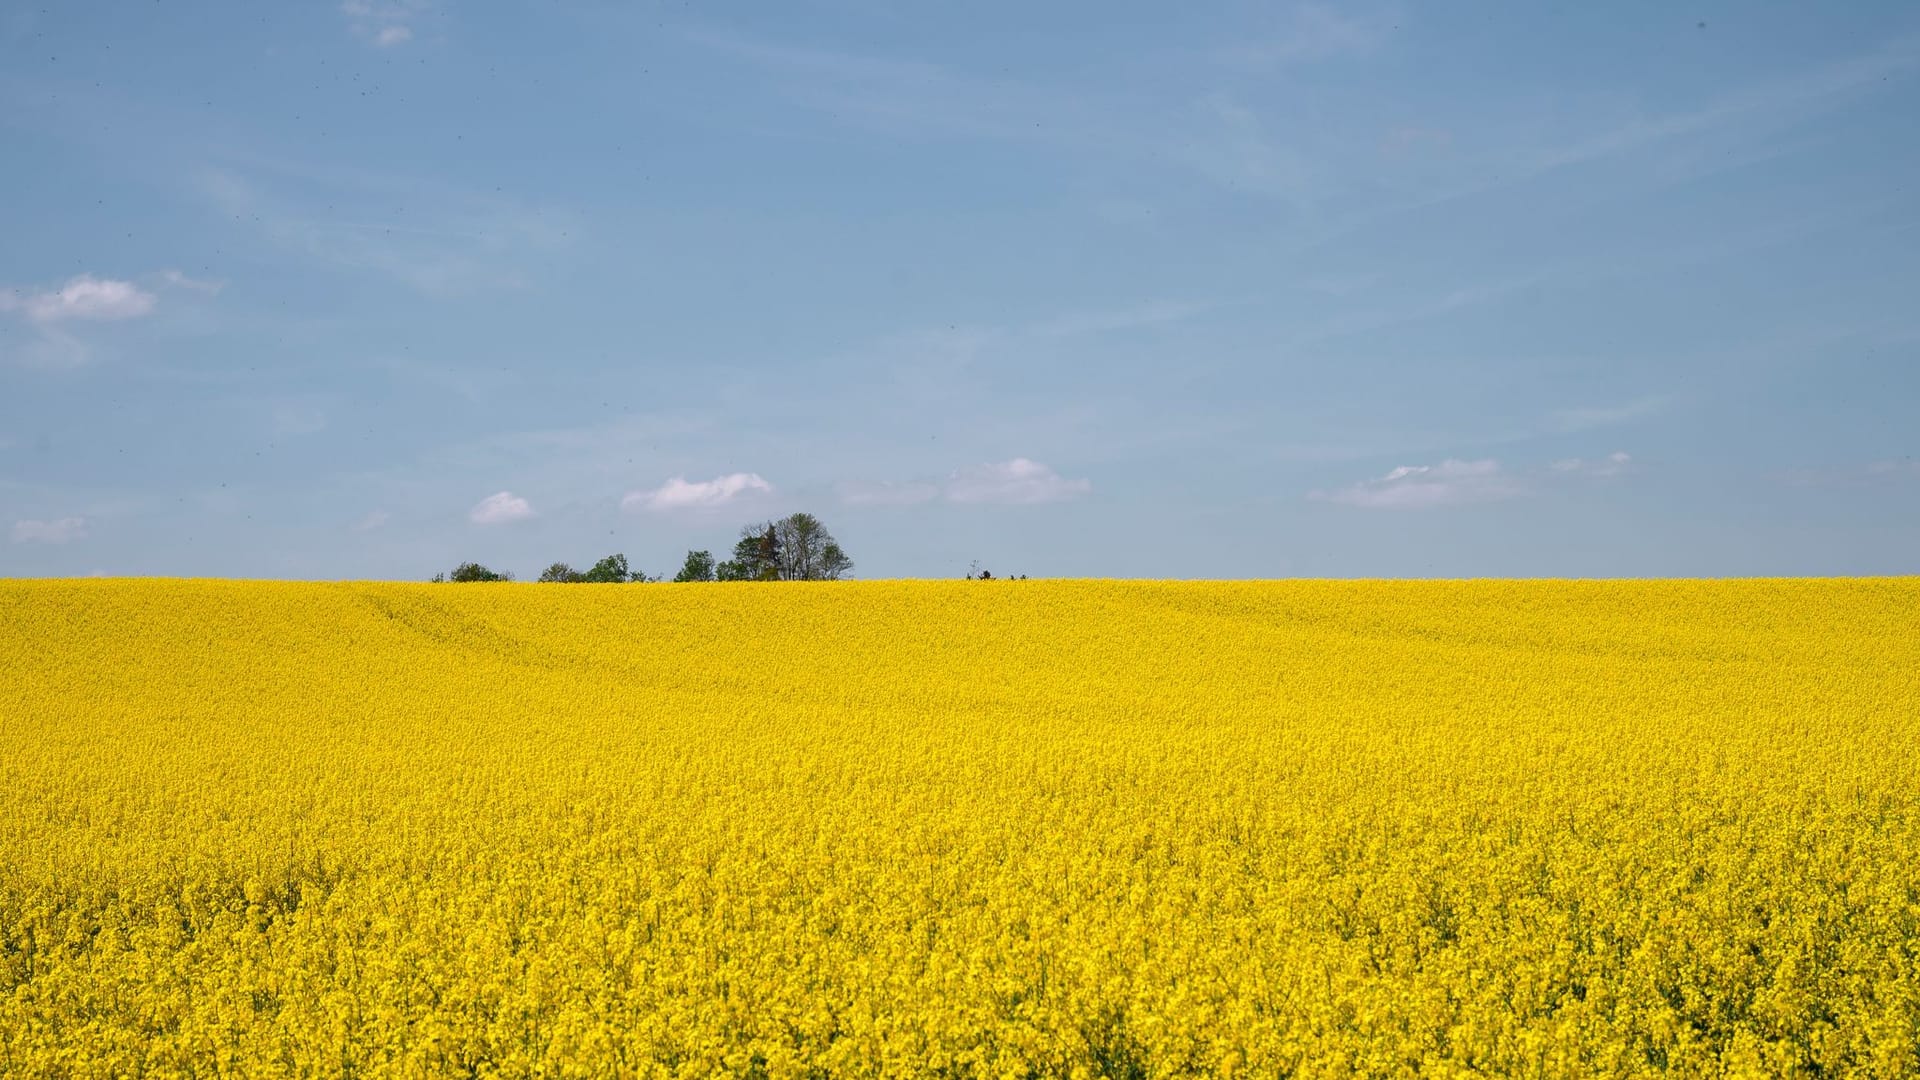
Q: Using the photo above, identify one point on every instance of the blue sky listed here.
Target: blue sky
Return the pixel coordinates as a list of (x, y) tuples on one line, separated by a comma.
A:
[(365, 289)]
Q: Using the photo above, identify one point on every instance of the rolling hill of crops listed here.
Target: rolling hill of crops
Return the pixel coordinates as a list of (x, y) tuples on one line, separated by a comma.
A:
[(993, 829)]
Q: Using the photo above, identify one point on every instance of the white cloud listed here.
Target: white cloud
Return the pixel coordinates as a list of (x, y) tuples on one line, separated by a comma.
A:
[(500, 508), (1452, 482), (682, 494), (1020, 480), (371, 522), (1612, 465), (82, 297), (887, 493), (200, 285), (384, 23), (57, 531)]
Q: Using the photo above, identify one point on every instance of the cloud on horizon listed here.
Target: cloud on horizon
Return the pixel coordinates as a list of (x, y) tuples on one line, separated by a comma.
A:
[(1450, 483), (499, 508), (1019, 481), (681, 494), (1454, 482)]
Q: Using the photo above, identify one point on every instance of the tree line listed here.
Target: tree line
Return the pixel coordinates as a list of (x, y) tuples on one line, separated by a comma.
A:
[(797, 547)]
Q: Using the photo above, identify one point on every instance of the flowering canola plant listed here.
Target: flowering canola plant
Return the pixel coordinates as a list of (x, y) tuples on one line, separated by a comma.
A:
[(960, 829)]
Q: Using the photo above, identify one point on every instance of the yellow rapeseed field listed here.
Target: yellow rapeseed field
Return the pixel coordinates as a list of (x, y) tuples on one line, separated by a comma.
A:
[(960, 829)]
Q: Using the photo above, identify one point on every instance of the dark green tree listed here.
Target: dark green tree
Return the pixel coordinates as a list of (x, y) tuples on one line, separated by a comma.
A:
[(698, 567), (611, 570), (798, 547), (756, 556), (473, 571), (766, 554), (562, 574), (806, 551)]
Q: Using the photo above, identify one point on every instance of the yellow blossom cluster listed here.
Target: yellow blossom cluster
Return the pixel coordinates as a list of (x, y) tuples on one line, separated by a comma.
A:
[(960, 829)]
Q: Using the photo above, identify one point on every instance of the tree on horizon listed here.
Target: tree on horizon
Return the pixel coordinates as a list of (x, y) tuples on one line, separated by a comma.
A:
[(797, 547)]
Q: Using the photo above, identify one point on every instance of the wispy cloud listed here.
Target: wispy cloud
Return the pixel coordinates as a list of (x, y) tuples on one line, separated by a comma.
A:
[(1455, 482), (914, 95), (1229, 144), (1613, 464), (1443, 301), (82, 298), (948, 352), (1588, 417), (1139, 316), (681, 494), (372, 521), (437, 240), (1215, 135), (57, 531), (1019, 481), (1733, 126), (500, 508), (1314, 32), (1804, 91), (179, 280), (383, 23), (1409, 487), (1240, 141)]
